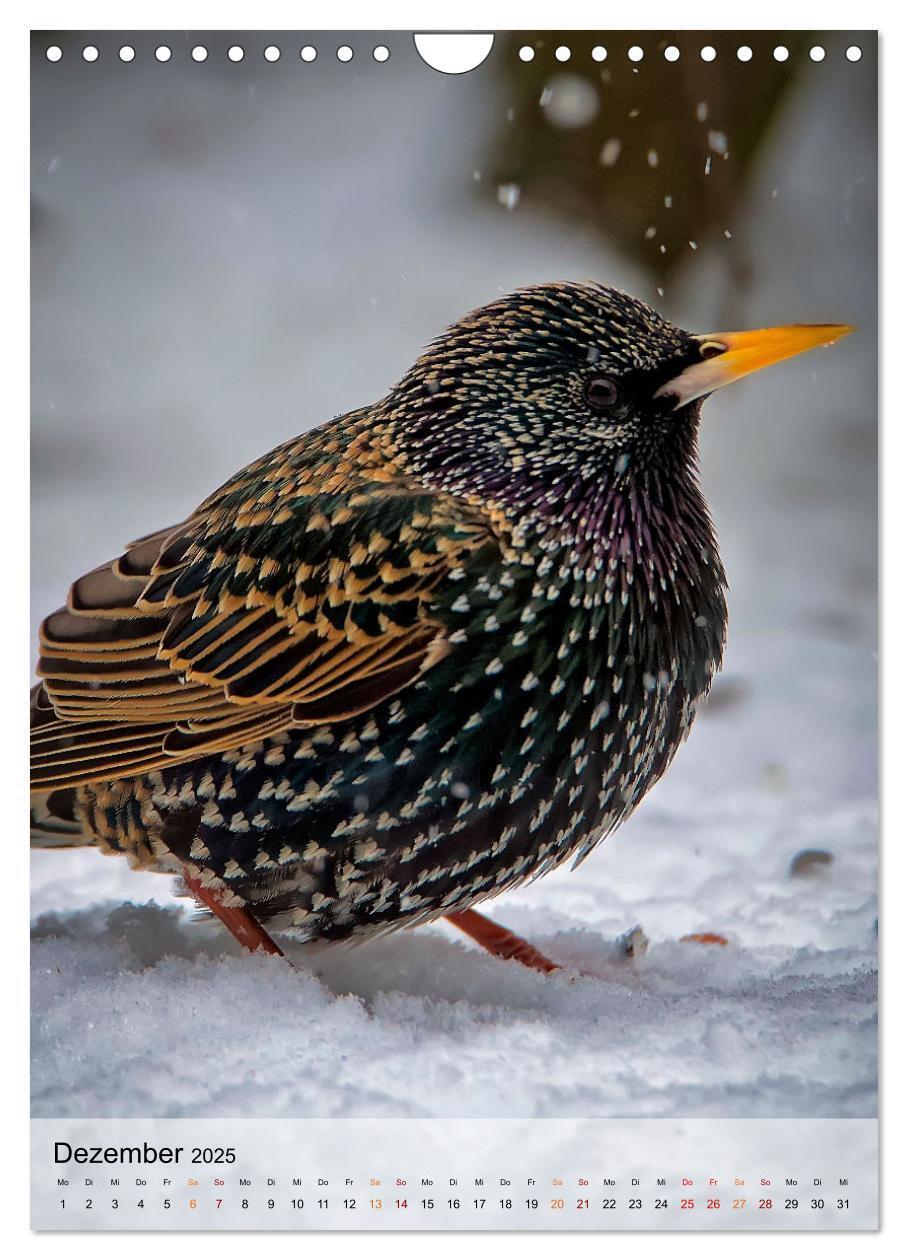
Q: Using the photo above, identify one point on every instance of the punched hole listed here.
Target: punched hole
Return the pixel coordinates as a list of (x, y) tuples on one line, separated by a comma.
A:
[(127, 53), (455, 52), (89, 53), (745, 53), (853, 53), (817, 53), (199, 53), (272, 53), (54, 53), (162, 53), (562, 53), (672, 53), (526, 53)]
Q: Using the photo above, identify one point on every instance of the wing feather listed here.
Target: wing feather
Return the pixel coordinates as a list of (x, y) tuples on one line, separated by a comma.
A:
[(275, 605)]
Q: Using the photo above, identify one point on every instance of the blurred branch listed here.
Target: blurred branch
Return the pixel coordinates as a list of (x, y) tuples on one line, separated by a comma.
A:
[(656, 156)]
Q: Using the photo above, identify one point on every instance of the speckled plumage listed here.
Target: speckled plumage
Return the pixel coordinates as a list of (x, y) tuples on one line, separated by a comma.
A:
[(415, 656)]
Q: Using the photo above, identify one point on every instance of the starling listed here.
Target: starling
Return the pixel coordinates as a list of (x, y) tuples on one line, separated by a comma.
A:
[(418, 655)]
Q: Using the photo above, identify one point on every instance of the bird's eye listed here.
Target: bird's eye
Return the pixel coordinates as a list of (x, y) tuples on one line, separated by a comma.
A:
[(601, 393)]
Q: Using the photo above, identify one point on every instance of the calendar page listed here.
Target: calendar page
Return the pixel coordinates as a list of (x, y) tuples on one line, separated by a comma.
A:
[(454, 560)]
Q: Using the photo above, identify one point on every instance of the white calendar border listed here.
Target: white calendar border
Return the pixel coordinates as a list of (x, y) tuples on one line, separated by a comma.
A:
[(228, 14)]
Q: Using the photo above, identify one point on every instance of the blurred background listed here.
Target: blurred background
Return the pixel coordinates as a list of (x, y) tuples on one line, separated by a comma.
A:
[(227, 253)]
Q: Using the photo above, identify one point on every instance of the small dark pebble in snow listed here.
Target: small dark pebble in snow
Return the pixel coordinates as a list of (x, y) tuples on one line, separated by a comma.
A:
[(807, 861)]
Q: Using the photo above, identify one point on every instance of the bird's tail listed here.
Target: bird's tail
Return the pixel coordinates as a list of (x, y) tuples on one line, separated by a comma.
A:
[(55, 823)]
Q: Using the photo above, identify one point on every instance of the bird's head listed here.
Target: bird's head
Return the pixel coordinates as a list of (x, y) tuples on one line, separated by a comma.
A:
[(562, 384)]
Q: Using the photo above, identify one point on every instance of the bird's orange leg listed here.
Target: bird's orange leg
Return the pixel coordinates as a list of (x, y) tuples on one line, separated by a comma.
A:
[(238, 922), (500, 941)]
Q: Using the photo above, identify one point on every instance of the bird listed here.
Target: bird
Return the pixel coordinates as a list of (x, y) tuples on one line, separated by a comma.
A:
[(419, 655)]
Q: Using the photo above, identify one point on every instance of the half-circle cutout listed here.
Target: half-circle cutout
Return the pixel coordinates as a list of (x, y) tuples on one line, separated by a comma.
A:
[(454, 53)]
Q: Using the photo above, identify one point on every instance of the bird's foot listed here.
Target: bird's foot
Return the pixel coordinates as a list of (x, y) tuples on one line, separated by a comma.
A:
[(704, 938), (500, 941), (239, 922)]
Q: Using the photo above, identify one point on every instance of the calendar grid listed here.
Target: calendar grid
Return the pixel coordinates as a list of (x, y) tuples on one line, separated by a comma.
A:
[(460, 1174)]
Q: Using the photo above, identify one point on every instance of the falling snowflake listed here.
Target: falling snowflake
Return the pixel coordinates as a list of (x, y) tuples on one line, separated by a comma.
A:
[(569, 101), (508, 195), (611, 151)]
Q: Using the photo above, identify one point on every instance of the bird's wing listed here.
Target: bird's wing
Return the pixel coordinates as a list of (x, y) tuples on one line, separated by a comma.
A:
[(288, 605)]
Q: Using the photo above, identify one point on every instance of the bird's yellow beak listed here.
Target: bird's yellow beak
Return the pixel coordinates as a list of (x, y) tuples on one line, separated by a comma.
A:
[(730, 355)]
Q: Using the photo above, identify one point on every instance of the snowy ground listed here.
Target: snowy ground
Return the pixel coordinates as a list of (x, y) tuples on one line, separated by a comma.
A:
[(138, 1012), (198, 296)]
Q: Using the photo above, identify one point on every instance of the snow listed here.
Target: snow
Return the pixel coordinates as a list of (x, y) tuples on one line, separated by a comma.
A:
[(140, 1010), (239, 280)]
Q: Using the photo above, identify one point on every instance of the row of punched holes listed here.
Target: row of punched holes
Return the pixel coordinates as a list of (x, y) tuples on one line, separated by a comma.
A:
[(380, 53)]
